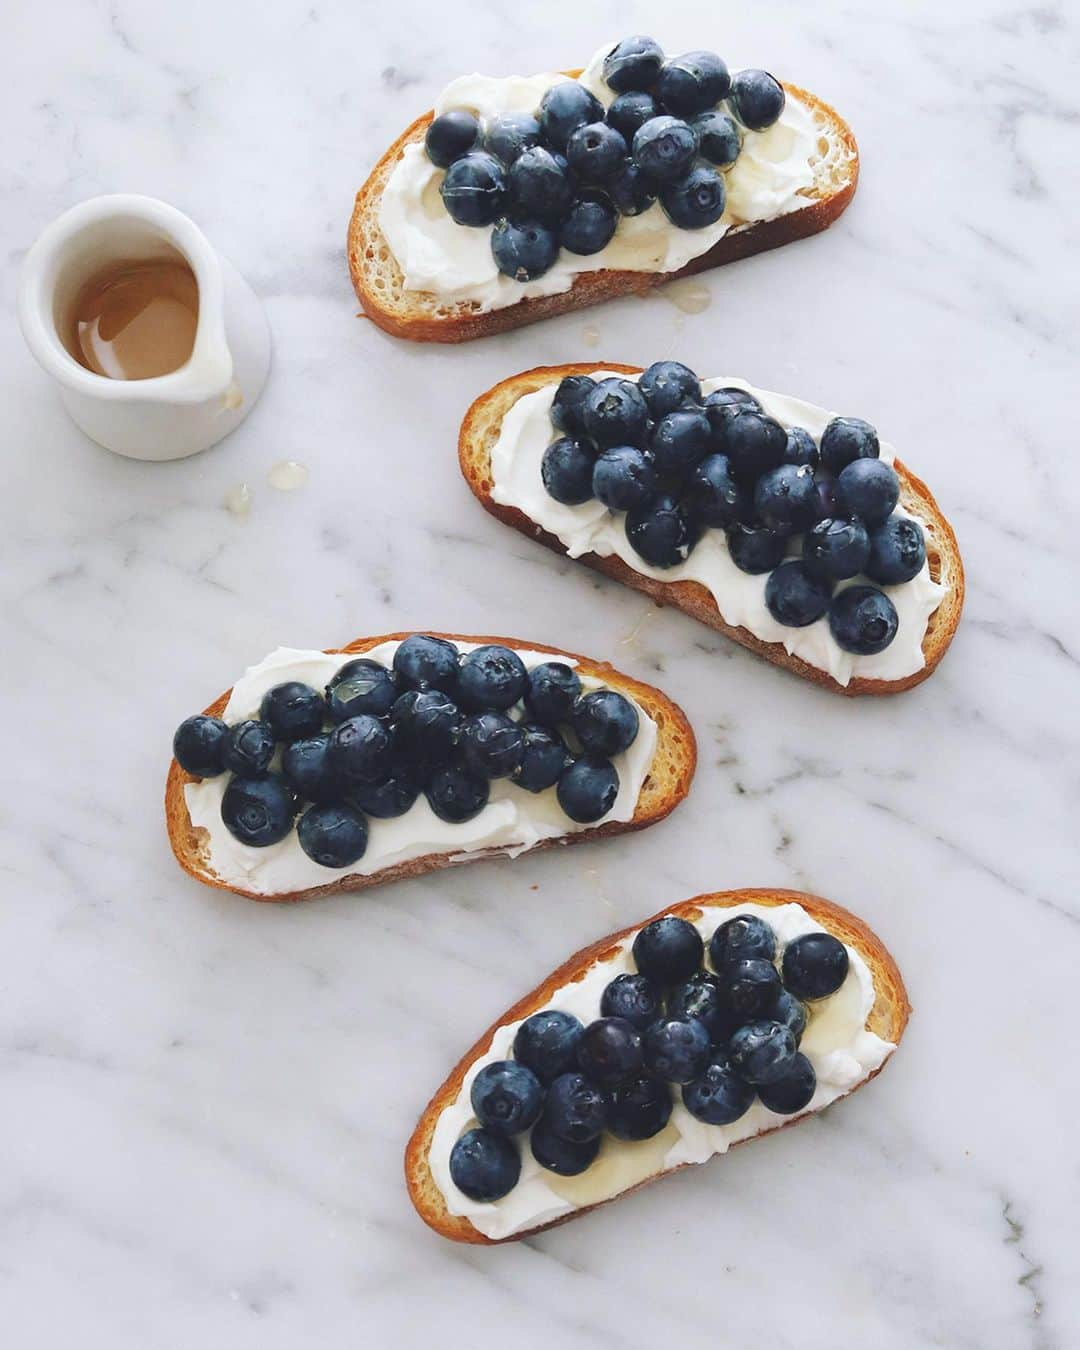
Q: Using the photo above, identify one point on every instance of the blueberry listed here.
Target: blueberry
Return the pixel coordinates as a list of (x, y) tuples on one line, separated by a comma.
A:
[(561, 1156), (748, 986), (587, 789), (863, 620), (258, 811), (814, 966), (595, 151), (491, 745), (523, 252), (249, 748), (801, 447), (308, 770), (590, 225), (552, 691), (762, 1051), (789, 1012), (719, 140), (869, 490), (721, 406), (897, 551), (669, 950), (508, 136), (361, 749), (696, 200), (565, 107), (474, 188), (623, 477), (361, 686), (719, 1096), (846, 439), (547, 1043), (743, 938), (543, 758), (837, 549), (795, 596), (615, 412), (506, 1097), (540, 187), (484, 1166), (456, 795), (754, 443), (753, 548), (609, 1051), (712, 494), (575, 1110), (664, 148), (333, 835), (700, 998), (631, 190), (661, 532), (199, 745), (423, 662), (679, 441), (426, 723), (634, 63), (676, 1049), (385, 800), (492, 677), (793, 1090), (450, 136), (640, 1108), (786, 499), (630, 111), (566, 471), (635, 998), (292, 710), (692, 83), (568, 404), (606, 722), (667, 385), (757, 99)]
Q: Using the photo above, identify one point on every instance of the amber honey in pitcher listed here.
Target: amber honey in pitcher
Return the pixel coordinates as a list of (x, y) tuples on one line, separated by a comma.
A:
[(133, 320)]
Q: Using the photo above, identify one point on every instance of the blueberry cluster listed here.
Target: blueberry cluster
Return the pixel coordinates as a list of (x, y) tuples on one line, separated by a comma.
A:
[(562, 176), (723, 1036), (810, 514), (435, 722)]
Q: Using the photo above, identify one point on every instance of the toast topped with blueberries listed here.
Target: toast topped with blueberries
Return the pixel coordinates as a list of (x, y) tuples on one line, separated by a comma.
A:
[(798, 533), (519, 198), (325, 771)]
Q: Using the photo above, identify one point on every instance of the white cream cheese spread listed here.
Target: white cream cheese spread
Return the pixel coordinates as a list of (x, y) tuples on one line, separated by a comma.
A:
[(513, 820), (843, 1052), (591, 528)]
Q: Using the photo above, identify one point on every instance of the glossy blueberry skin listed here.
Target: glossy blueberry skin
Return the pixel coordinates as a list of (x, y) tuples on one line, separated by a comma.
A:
[(450, 136), (587, 789), (565, 107), (635, 998), (606, 722), (631, 110), (474, 189), (795, 596), (426, 723), (801, 448), (837, 549), (753, 548), (492, 676), (553, 689), (661, 532), (846, 439), (258, 811), (568, 405), (677, 1049), (508, 136), (575, 1109), (292, 710), (679, 441), (543, 758), (748, 986), (719, 139), (199, 745), (722, 406), (506, 1097), (828, 509), (692, 83), (640, 1108), (793, 1090), (664, 148), (384, 801), (307, 769), (896, 551), (590, 225), (719, 1096), (491, 745), (789, 1012), (523, 252), (361, 749), (699, 998), (566, 471), (609, 1051), (423, 662), (333, 834), (667, 385), (484, 1166), (868, 489), (712, 494), (615, 413), (754, 443), (814, 966), (539, 187), (249, 748), (757, 99), (560, 1156), (631, 190), (743, 938), (786, 499), (547, 1043), (595, 151), (361, 686), (455, 795), (623, 477), (668, 950), (696, 200), (634, 63), (863, 620), (762, 1051)]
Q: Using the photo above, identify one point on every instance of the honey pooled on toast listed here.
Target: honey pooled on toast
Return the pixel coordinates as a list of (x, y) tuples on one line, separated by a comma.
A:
[(135, 320)]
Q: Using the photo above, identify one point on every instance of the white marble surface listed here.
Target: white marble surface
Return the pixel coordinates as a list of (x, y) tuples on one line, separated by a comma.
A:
[(204, 1101)]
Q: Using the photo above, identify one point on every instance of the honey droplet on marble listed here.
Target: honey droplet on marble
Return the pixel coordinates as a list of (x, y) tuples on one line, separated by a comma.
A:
[(238, 501), (288, 475), (591, 335), (690, 296)]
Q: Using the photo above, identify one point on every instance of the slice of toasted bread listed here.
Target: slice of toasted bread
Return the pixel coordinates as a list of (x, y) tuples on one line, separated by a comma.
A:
[(887, 1018), (480, 431), (421, 316), (667, 783)]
